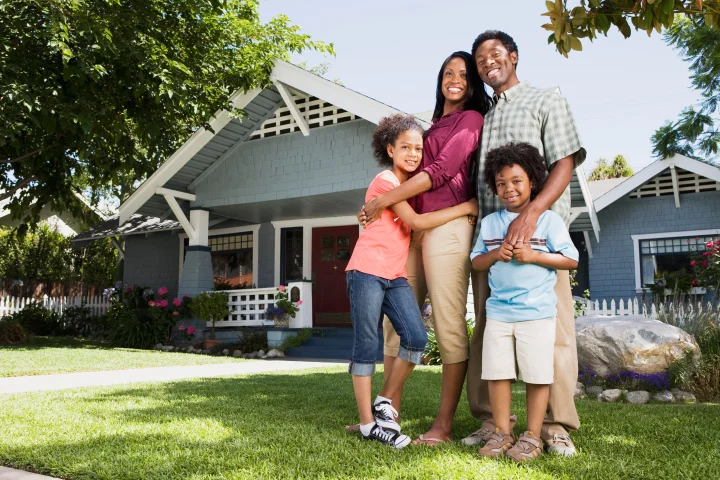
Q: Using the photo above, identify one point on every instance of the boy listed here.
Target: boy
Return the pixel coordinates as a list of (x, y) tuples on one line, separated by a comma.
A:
[(521, 311)]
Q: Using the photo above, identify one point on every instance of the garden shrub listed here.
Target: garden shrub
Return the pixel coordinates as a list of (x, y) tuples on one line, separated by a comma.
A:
[(79, 321), (702, 377), (37, 320), (11, 332), (140, 318), (298, 340), (432, 352), (252, 341)]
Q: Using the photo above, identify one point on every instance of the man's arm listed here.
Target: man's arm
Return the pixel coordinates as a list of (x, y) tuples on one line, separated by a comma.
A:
[(523, 227)]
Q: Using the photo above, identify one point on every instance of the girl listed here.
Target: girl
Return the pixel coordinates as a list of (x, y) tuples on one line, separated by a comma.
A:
[(438, 261), (377, 282)]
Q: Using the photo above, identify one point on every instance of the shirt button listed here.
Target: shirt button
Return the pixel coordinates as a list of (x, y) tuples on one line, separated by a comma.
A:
[(494, 129), (499, 108)]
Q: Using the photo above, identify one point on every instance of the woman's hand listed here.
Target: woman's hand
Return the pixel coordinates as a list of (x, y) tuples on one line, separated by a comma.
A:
[(473, 210)]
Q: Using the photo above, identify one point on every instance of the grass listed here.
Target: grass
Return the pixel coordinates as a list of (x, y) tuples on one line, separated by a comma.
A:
[(290, 425), (45, 355)]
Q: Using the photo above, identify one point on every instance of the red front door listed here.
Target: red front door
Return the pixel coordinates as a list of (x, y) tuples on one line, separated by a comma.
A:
[(331, 250)]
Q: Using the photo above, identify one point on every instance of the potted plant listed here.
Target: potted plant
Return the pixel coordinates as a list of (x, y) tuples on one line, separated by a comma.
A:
[(210, 306), (284, 309)]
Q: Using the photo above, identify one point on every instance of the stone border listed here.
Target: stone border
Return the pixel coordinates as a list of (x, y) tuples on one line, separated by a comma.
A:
[(615, 395)]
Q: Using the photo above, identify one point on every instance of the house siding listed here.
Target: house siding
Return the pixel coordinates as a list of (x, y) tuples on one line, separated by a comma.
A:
[(152, 261), (612, 268), (332, 159)]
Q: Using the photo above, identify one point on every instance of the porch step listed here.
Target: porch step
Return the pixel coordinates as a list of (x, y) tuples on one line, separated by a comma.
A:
[(335, 343)]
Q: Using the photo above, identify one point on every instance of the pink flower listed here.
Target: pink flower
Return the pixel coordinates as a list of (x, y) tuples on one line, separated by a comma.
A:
[(707, 254), (176, 313), (705, 263), (186, 296), (161, 304), (693, 263), (694, 283), (129, 290), (151, 303), (177, 302), (191, 330), (299, 302), (281, 288), (710, 244), (181, 328), (162, 291)]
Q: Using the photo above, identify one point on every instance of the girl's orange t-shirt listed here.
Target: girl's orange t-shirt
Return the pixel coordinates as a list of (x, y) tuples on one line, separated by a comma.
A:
[(382, 248)]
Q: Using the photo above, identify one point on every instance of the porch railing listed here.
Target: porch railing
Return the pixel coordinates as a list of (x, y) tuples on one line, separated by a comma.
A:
[(98, 305), (248, 307)]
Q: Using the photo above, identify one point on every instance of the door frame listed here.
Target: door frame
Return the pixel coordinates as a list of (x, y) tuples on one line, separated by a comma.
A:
[(307, 225)]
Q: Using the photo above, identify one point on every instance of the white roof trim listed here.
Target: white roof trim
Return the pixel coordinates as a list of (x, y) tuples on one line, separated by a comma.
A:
[(652, 170), (585, 189), (181, 156)]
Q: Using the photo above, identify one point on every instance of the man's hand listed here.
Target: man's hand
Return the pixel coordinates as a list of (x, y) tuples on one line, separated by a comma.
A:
[(372, 210), (522, 228), (523, 253), (505, 252), (362, 218)]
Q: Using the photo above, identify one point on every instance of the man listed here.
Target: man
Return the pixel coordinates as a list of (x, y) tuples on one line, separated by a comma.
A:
[(542, 118)]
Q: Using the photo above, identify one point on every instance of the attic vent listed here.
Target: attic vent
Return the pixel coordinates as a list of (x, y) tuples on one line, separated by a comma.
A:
[(688, 182), (317, 112)]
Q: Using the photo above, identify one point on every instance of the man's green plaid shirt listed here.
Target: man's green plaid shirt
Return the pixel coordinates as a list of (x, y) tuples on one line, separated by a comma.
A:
[(540, 117)]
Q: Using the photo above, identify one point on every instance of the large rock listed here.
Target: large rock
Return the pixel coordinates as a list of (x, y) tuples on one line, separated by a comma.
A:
[(638, 397), (634, 343), (612, 395)]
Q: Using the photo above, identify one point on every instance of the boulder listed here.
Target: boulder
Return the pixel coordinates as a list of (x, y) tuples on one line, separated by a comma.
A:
[(168, 348), (252, 355), (608, 345), (226, 352), (664, 397), (682, 397), (237, 354), (158, 346), (274, 353), (594, 391), (611, 396), (261, 353), (639, 397), (579, 390)]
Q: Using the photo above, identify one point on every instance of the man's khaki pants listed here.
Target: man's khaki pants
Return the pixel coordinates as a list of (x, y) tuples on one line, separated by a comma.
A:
[(562, 416)]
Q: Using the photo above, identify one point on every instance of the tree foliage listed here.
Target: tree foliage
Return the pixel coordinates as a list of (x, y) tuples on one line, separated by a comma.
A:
[(97, 93), (594, 17), (694, 133), (47, 255), (618, 169)]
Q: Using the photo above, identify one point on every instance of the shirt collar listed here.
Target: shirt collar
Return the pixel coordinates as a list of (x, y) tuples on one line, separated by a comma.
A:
[(511, 93), (451, 114)]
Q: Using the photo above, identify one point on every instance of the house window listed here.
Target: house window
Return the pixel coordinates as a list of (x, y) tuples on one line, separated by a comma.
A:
[(232, 259), (291, 254), (662, 256)]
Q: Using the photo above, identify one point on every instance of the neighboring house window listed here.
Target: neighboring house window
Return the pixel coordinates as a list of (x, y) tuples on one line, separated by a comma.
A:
[(232, 259), (291, 252), (668, 255)]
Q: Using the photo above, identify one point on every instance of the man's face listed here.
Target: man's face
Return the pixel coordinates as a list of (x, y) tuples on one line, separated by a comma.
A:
[(494, 63)]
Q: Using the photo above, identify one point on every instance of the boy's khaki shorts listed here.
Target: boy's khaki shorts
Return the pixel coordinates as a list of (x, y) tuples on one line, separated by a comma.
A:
[(533, 342)]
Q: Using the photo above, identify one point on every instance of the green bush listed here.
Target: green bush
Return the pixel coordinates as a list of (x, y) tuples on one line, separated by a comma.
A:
[(80, 321), (11, 332), (252, 341), (37, 320), (432, 352), (211, 307), (702, 378), (298, 340)]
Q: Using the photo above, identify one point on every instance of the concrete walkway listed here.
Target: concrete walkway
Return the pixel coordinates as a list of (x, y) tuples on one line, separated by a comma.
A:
[(12, 474), (60, 381)]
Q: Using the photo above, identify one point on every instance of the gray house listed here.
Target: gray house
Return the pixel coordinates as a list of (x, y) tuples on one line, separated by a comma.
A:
[(268, 200), (652, 223)]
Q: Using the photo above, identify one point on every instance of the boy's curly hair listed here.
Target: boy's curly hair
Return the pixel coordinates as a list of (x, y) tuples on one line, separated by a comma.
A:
[(387, 131), (522, 154)]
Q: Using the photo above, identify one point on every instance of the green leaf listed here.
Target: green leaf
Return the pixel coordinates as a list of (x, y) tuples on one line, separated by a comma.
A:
[(575, 44)]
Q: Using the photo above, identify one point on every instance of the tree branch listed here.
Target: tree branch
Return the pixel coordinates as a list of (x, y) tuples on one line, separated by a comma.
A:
[(29, 154), (10, 192)]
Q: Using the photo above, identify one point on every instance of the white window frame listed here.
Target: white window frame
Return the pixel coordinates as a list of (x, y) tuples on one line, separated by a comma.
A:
[(658, 236), (307, 225), (254, 229)]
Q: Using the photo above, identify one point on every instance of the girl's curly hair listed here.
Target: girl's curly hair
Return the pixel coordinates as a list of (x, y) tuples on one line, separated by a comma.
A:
[(387, 132), (522, 154)]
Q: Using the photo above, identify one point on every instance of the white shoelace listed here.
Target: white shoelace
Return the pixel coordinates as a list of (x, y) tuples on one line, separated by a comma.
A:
[(387, 410), (562, 437), (386, 436)]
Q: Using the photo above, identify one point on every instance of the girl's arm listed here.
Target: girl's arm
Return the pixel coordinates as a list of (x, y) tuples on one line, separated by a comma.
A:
[(425, 221)]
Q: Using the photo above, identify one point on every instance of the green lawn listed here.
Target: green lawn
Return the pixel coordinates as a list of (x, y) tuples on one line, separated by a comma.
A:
[(46, 355), (291, 426)]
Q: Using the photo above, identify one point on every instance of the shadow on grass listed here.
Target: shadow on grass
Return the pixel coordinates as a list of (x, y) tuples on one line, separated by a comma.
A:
[(291, 426), (39, 343)]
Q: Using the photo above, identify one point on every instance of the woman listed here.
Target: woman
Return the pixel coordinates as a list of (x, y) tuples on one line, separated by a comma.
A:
[(439, 259)]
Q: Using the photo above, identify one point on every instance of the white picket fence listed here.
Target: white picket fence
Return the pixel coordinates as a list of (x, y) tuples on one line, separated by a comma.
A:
[(98, 305), (633, 307)]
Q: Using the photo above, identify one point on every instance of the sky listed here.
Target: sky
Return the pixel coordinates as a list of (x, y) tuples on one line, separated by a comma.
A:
[(620, 91)]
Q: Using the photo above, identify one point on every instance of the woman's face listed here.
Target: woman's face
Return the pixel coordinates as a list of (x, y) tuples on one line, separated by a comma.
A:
[(454, 81), (407, 151)]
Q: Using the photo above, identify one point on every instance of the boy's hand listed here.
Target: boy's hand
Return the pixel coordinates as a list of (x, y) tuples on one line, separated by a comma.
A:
[(523, 253), (505, 252)]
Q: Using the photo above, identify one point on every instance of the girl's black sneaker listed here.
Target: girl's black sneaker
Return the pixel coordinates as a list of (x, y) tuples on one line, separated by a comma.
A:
[(388, 437)]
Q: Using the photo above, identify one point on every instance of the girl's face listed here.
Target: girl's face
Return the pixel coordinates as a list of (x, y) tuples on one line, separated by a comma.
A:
[(513, 187), (407, 151), (454, 81)]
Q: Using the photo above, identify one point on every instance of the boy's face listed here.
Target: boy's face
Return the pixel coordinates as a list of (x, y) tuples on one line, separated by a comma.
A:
[(407, 150), (494, 63), (513, 187)]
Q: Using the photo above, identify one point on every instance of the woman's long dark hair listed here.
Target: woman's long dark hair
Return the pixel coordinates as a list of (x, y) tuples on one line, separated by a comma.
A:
[(476, 98)]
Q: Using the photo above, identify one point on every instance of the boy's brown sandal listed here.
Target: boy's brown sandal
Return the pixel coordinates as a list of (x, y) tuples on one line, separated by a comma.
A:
[(499, 443), (528, 447)]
